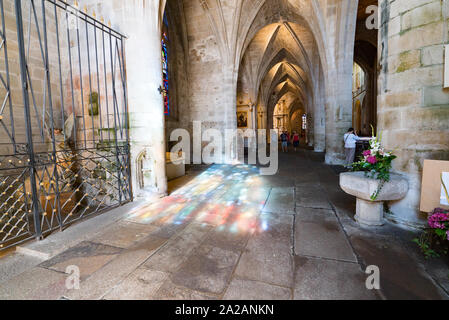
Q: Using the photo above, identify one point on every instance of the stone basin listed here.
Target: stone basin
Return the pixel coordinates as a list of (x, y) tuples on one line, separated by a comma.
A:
[(371, 213)]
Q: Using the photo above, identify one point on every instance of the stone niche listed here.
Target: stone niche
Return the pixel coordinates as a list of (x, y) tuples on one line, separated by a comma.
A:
[(145, 169), (175, 165)]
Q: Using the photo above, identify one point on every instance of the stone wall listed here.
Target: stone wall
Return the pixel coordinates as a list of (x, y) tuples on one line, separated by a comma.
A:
[(178, 75), (141, 22), (413, 110), (36, 69)]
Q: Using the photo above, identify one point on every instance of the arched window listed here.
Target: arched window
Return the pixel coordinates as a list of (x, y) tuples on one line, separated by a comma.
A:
[(359, 77), (165, 78)]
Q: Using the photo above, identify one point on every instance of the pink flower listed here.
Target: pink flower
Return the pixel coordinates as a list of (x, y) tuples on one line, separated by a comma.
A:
[(367, 153), (372, 160), (438, 219)]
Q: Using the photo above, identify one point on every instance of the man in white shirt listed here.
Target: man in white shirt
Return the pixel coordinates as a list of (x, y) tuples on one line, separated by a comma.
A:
[(351, 139)]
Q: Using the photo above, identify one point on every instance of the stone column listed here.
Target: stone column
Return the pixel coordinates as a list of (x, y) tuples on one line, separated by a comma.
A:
[(339, 79), (413, 111), (338, 114), (317, 130), (143, 57), (140, 21)]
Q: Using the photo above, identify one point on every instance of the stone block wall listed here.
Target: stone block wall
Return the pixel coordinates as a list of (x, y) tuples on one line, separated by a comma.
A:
[(413, 110), (71, 84), (36, 73)]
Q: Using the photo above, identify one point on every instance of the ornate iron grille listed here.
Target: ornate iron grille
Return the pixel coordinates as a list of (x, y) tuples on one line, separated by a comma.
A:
[(64, 138)]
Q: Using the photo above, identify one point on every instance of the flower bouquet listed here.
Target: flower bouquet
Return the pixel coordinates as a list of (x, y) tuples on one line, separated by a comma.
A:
[(376, 163)]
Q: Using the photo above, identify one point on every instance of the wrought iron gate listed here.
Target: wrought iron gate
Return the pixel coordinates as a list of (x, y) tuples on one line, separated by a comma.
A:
[(64, 142)]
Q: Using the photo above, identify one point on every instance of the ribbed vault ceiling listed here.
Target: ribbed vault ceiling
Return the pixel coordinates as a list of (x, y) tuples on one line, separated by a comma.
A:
[(276, 66)]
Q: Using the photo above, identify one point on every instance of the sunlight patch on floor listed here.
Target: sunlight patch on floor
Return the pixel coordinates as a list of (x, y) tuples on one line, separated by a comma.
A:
[(229, 197)]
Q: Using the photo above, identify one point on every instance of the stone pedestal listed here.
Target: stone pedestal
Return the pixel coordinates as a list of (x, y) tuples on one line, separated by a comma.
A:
[(371, 213)]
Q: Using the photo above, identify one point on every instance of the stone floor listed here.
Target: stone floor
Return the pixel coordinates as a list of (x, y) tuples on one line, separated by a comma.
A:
[(229, 233)]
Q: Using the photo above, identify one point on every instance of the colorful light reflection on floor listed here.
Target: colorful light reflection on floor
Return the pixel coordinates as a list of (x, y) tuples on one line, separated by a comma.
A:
[(228, 197)]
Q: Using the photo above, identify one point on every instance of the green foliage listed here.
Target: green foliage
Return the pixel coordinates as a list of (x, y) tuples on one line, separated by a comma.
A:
[(380, 170), (426, 248), (434, 241)]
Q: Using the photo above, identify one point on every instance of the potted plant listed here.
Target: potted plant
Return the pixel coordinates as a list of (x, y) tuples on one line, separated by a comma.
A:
[(376, 163), (93, 104), (372, 183), (434, 241)]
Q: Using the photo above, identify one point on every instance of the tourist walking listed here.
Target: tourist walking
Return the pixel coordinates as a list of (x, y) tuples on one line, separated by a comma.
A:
[(284, 141), (350, 139), (296, 139)]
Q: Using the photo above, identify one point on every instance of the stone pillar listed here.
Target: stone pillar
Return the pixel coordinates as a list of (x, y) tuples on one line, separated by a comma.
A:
[(318, 121), (339, 79), (143, 59), (413, 111), (140, 21), (338, 114)]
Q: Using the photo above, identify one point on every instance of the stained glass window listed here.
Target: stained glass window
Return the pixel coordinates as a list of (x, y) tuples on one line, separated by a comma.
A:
[(304, 122), (165, 41)]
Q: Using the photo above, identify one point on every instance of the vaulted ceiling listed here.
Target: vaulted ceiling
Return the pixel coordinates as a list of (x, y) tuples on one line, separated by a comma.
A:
[(267, 48), (279, 64)]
